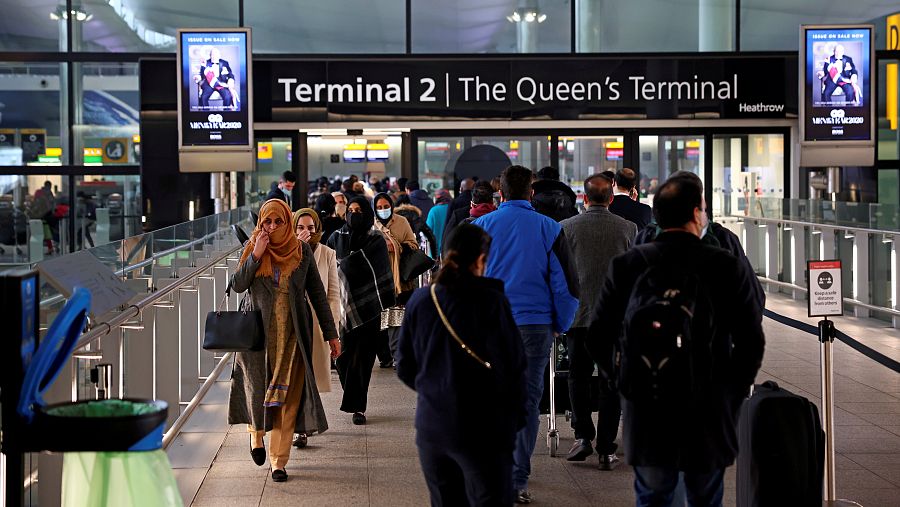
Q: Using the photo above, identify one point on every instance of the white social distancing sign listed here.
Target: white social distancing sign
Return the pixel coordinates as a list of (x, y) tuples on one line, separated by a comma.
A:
[(825, 298)]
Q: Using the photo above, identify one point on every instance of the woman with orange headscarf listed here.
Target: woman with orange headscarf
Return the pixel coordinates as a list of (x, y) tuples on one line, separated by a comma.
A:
[(274, 390)]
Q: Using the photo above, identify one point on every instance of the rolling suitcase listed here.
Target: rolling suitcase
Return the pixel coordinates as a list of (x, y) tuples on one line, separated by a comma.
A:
[(781, 458)]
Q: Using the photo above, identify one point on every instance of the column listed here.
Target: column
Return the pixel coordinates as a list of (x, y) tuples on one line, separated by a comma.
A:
[(588, 28), (716, 25)]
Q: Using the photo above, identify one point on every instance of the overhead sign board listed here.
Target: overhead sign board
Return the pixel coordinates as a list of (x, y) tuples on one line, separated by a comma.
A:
[(215, 93), (825, 296), (568, 88)]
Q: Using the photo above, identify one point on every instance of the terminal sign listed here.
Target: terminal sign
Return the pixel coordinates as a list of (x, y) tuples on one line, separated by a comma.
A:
[(825, 298)]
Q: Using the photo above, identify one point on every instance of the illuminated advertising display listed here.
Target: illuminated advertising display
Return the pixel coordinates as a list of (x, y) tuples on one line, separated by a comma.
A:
[(214, 89), (836, 97)]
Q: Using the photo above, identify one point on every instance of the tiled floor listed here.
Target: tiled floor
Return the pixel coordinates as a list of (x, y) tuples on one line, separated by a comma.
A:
[(377, 464)]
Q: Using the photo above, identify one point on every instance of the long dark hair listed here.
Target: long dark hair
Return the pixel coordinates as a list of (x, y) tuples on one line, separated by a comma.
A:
[(464, 245)]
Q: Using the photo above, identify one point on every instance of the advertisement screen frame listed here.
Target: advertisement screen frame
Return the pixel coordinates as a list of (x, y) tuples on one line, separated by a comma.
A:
[(245, 114), (805, 92)]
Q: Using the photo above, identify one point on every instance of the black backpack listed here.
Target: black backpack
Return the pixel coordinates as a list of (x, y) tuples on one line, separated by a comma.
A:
[(665, 352)]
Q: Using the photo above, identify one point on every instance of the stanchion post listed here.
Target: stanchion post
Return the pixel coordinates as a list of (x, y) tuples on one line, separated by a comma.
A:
[(826, 338)]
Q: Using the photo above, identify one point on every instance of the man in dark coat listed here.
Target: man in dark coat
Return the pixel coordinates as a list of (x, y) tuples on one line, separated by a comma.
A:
[(553, 198), (464, 197), (283, 189), (419, 198), (713, 234), (690, 428), (624, 203)]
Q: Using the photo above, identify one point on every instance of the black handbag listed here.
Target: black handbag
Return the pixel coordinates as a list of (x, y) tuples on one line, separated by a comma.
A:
[(414, 262), (230, 331)]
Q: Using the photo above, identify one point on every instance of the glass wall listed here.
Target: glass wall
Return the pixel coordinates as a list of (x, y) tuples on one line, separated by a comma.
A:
[(645, 25), (445, 161), (106, 123), (661, 156), (32, 114), (748, 170), (28, 25), (475, 26), (336, 26), (342, 156), (580, 157)]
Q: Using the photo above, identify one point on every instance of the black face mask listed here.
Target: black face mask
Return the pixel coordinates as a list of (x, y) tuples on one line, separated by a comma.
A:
[(357, 221)]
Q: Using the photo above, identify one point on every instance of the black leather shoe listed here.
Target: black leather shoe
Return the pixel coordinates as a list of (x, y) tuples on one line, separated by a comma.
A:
[(279, 476), (258, 455), (608, 462), (523, 496), (301, 441), (580, 450), (359, 419)]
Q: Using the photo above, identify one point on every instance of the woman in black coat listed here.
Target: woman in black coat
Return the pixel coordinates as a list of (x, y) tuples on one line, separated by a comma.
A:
[(367, 289), (471, 397)]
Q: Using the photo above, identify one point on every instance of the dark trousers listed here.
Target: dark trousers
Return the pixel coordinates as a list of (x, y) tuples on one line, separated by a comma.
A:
[(354, 365), (207, 91), (383, 350), (831, 86), (656, 487), (581, 381), (474, 478)]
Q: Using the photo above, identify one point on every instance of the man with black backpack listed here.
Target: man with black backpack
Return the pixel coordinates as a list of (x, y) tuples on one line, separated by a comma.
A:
[(679, 334)]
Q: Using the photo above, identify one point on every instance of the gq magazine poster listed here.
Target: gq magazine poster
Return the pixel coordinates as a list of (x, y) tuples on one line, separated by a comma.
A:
[(214, 88), (837, 86)]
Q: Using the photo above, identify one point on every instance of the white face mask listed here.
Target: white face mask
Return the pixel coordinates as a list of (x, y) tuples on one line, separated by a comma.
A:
[(340, 209), (384, 214)]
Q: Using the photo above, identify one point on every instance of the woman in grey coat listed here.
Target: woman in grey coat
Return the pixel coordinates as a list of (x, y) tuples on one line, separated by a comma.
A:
[(275, 389)]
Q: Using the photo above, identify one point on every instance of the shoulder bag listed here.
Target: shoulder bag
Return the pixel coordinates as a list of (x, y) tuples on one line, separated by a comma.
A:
[(414, 262), (234, 331)]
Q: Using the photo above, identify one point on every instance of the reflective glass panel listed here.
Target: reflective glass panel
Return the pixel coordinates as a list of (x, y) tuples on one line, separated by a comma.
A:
[(106, 123), (29, 25), (32, 114), (748, 172), (491, 26), (146, 25), (336, 26), (661, 156)]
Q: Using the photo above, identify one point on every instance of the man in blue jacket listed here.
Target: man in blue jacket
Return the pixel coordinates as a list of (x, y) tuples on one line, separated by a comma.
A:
[(530, 254)]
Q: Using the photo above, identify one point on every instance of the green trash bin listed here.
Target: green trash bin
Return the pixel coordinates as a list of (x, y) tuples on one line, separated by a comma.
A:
[(113, 448)]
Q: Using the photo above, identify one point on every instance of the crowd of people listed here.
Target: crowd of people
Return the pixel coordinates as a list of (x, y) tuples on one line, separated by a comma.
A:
[(661, 301)]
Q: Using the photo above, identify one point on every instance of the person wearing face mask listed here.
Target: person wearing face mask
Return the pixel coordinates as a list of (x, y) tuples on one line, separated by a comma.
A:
[(713, 234), (340, 205), (308, 229), (283, 189), (274, 389), (399, 235), (326, 207), (367, 289)]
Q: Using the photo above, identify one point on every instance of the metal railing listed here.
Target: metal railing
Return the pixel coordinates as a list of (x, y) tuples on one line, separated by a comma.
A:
[(151, 345), (778, 250)]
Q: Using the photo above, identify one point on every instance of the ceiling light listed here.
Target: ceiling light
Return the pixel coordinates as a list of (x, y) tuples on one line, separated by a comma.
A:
[(541, 18), (530, 17), (527, 15)]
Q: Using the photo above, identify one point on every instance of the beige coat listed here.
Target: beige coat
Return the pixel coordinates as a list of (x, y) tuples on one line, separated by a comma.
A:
[(326, 262), (398, 232)]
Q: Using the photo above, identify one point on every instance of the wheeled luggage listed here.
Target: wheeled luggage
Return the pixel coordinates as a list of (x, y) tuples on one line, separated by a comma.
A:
[(555, 399), (781, 459)]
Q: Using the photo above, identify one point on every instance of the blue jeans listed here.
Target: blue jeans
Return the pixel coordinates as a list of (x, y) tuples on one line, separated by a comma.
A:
[(655, 487), (537, 340)]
